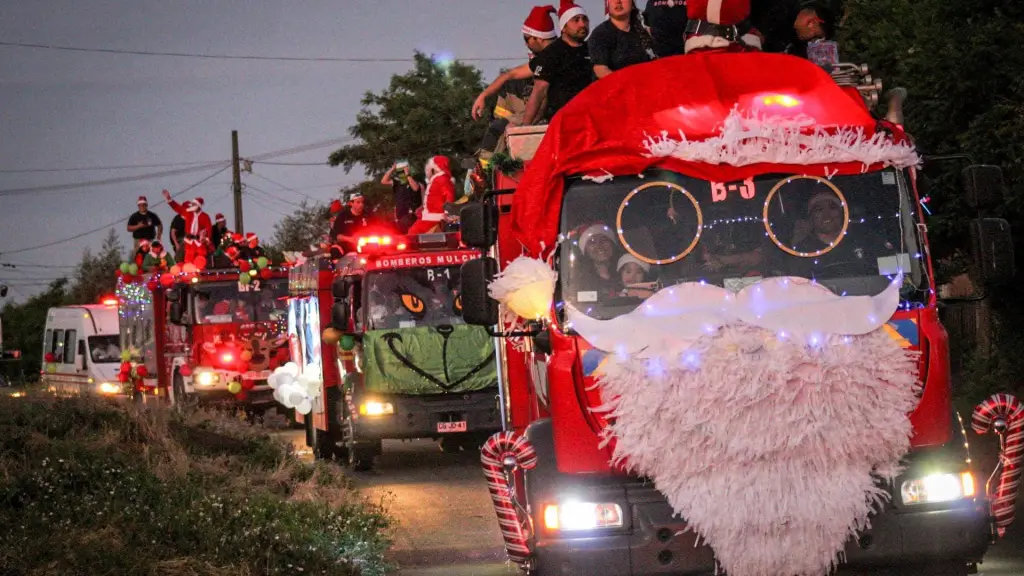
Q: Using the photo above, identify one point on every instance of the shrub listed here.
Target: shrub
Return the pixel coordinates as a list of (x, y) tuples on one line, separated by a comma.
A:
[(89, 487)]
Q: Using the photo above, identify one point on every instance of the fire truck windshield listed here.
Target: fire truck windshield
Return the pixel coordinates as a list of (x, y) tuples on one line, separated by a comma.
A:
[(227, 302), (632, 236), (411, 297)]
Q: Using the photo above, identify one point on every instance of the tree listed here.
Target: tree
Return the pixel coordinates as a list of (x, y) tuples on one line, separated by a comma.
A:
[(25, 323), (422, 113), (302, 228), (94, 276)]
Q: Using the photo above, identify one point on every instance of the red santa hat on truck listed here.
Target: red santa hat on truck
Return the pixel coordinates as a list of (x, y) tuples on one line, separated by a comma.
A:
[(196, 204), (539, 25), (568, 10)]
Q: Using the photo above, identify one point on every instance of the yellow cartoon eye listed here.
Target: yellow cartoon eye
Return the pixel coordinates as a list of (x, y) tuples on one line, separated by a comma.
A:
[(457, 303), (412, 303)]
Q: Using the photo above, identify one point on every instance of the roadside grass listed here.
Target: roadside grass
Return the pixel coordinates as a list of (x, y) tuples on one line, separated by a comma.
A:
[(88, 486)]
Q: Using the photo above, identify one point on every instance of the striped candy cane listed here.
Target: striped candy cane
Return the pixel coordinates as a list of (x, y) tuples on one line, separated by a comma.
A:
[(1010, 411), (498, 448)]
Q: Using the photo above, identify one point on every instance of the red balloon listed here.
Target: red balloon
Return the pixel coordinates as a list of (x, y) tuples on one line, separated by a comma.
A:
[(152, 285), (185, 370), (167, 280), (200, 262), (248, 384), (142, 372), (122, 377), (266, 273), (244, 265), (335, 207), (117, 273), (50, 357), (176, 269)]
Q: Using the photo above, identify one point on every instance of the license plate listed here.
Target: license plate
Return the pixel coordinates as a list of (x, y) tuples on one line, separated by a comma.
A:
[(451, 426), (250, 375)]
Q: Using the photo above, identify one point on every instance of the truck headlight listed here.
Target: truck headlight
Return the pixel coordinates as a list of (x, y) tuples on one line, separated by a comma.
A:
[(108, 388), (207, 378), (579, 516), (938, 488), (374, 408)]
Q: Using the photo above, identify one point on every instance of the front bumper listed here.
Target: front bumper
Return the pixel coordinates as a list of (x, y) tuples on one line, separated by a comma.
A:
[(258, 396), (653, 542), (419, 416)]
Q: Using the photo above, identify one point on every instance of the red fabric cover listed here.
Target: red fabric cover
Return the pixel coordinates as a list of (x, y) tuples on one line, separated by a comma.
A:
[(605, 126)]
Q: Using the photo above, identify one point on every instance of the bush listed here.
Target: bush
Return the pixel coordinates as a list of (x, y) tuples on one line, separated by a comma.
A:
[(88, 487)]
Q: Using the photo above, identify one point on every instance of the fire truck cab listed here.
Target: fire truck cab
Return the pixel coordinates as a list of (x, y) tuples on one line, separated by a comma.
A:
[(397, 360), (212, 336), (565, 505)]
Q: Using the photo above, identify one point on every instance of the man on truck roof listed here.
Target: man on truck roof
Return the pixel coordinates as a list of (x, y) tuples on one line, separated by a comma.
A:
[(563, 69)]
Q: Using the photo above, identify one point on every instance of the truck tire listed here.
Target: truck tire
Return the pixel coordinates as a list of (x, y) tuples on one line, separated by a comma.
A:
[(359, 454)]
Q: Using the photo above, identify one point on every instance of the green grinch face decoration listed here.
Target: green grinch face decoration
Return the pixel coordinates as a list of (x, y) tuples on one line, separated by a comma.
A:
[(417, 342)]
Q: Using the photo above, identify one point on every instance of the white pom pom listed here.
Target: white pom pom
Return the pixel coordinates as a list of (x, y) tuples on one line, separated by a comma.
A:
[(526, 287), (304, 407)]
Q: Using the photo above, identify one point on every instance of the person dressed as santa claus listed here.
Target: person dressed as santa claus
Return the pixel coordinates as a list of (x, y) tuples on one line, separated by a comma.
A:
[(439, 191), (720, 25), (198, 227)]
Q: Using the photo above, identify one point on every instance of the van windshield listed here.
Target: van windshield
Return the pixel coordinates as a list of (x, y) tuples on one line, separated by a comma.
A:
[(105, 349), (633, 236)]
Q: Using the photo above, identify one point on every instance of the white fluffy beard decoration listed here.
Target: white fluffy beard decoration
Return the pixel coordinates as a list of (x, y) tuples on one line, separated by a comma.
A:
[(769, 447)]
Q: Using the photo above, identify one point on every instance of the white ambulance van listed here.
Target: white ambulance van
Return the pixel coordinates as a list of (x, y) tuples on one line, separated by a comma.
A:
[(85, 345)]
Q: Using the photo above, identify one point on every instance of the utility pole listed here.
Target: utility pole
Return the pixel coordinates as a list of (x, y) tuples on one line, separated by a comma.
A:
[(236, 184)]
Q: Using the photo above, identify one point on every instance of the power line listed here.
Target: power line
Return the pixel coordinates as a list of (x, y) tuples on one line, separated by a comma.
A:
[(325, 163), (97, 168), (119, 180), (108, 225), (238, 56), (252, 188), (285, 187)]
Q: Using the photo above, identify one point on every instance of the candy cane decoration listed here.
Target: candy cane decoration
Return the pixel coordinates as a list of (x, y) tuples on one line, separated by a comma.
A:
[(1004, 412), (497, 449)]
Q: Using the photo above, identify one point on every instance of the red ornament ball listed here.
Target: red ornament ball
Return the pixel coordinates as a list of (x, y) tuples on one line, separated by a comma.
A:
[(244, 266), (185, 370)]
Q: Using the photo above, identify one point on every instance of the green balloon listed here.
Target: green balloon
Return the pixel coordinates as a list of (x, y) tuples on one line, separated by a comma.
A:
[(126, 355), (234, 387), (51, 368), (124, 267), (244, 278), (262, 262), (133, 268), (347, 342)]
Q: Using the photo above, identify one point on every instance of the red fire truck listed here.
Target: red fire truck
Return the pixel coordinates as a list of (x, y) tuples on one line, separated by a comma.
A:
[(382, 330), (213, 336), (660, 185)]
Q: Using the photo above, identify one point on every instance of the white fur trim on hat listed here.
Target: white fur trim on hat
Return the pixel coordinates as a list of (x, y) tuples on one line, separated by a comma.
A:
[(627, 258), (549, 35), (569, 14), (593, 230)]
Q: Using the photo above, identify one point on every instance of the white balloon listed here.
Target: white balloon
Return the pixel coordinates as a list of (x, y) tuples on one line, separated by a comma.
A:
[(277, 396), (295, 398), (314, 388), (291, 368), (304, 407), (274, 380)]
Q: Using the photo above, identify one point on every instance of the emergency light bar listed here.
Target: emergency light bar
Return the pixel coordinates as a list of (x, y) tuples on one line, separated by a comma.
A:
[(388, 244)]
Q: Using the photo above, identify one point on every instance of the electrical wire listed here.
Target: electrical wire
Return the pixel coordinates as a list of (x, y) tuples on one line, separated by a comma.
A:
[(96, 168), (250, 187), (119, 180), (324, 163), (237, 56), (108, 225), (261, 177)]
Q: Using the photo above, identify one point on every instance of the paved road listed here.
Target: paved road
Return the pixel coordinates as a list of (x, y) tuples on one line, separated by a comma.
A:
[(446, 525)]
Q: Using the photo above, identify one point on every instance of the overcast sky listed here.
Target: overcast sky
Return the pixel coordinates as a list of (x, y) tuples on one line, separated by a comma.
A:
[(61, 109)]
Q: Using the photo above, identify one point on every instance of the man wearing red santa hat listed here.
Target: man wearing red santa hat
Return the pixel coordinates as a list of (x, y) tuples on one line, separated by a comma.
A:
[(563, 69), (198, 228), (440, 190)]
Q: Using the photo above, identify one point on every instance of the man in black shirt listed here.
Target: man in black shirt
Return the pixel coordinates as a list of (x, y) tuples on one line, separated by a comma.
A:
[(787, 26), (667, 21), (408, 195), (563, 69), (145, 225), (348, 224), (620, 41), (178, 237), (220, 229)]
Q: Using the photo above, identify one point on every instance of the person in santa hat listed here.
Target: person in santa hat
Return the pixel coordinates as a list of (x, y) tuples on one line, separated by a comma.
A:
[(564, 68), (440, 190), (720, 25), (157, 259), (198, 228), (143, 224), (141, 252), (250, 248), (538, 33), (220, 229)]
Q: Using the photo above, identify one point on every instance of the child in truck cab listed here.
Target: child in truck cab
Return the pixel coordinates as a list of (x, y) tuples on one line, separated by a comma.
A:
[(633, 273)]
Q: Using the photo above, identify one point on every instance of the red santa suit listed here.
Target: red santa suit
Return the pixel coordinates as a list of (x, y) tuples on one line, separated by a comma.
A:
[(709, 18), (439, 191), (198, 227)]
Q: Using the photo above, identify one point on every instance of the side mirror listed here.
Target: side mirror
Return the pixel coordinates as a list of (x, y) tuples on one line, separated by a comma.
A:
[(339, 315), (983, 186), (176, 313), (478, 308), (174, 295), (339, 288), (992, 249), (478, 224)]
